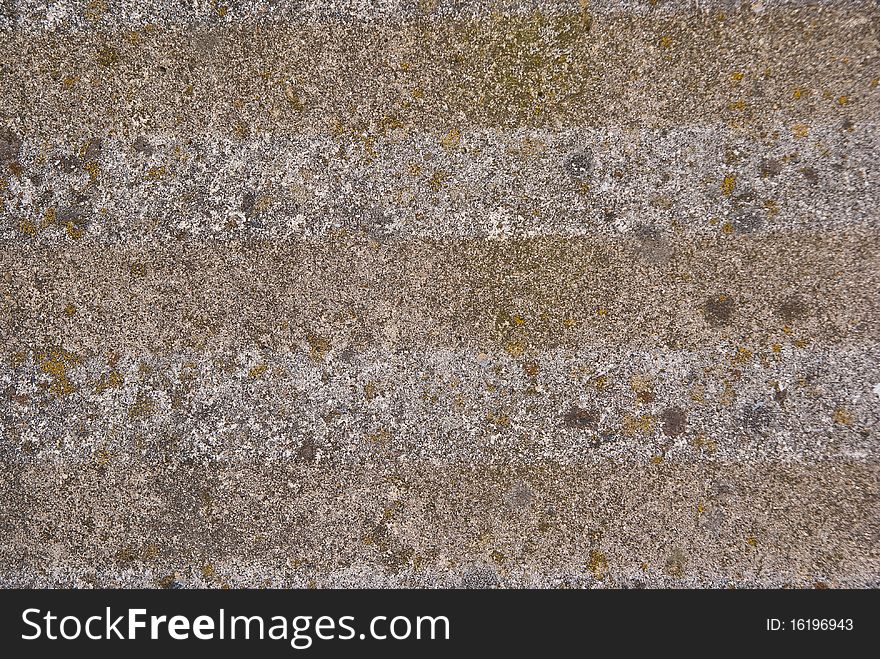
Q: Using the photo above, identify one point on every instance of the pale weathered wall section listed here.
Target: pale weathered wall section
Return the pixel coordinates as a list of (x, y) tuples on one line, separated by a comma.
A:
[(440, 293)]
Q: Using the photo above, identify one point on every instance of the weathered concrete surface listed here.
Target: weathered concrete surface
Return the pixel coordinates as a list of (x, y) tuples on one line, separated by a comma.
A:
[(429, 293)]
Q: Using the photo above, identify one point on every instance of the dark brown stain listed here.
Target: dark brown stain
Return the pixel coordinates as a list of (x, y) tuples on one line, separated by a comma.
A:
[(779, 395), (579, 165), (676, 563), (793, 308), (142, 145), (674, 421), (307, 450), (10, 145), (577, 417), (770, 167), (93, 150), (719, 310), (811, 175), (248, 200)]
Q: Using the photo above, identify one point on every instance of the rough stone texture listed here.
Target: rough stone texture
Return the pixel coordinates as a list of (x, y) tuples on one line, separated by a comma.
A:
[(440, 293)]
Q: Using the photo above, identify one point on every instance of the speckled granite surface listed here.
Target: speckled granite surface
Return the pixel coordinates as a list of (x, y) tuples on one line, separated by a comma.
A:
[(439, 293)]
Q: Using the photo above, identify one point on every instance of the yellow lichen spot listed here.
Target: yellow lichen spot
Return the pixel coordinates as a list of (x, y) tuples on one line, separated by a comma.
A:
[(95, 9), (208, 572), (842, 100), (657, 459), (742, 356), (498, 418), (602, 311), (142, 407), (801, 343), (776, 348), (701, 442), (800, 130), (418, 93), (222, 11), (452, 139), (112, 381), (727, 227), (519, 321), (437, 180), (797, 93), (514, 348), (751, 541), (102, 456), (132, 36), (69, 310), (737, 76), (156, 173), (263, 202), (49, 218), (597, 564), (73, 231), (258, 371), (319, 345), (55, 362), (643, 386), (728, 184), (843, 416), (107, 56), (875, 82), (381, 436), (126, 554), (786, 329), (728, 395), (390, 123), (665, 42), (138, 269), (632, 425), (69, 81), (772, 207), (568, 322), (737, 105), (369, 147), (700, 508), (293, 97)]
